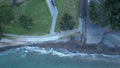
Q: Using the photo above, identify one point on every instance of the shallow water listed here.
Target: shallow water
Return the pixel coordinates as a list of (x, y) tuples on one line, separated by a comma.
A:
[(32, 57)]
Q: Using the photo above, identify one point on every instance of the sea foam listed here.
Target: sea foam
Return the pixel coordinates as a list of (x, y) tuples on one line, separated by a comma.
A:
[(64, 53)]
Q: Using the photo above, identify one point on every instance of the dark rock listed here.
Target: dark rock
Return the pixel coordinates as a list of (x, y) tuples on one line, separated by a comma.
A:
[(12, 2), (1, 0)]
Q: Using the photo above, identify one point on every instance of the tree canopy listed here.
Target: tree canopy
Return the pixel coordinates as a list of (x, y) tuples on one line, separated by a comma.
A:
[(107, 13), (6, 14), (67, 22), (26, 22), (112, 11)]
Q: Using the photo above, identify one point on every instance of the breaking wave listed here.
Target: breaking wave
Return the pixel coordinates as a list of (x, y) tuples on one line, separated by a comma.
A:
[(63, 53)]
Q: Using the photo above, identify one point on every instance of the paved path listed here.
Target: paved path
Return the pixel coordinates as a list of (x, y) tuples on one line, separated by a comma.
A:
[(37, 39), (95, 33), (54, 13)]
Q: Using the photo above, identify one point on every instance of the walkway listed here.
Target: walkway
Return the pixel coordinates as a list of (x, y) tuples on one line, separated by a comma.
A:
[(38, 39), (54, 13), (94, 33)]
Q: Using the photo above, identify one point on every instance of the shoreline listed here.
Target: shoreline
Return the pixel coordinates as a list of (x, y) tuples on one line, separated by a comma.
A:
[(75, 46), (70, 45)]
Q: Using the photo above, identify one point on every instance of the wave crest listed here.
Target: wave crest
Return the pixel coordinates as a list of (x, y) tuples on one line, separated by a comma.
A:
[(65, 53)]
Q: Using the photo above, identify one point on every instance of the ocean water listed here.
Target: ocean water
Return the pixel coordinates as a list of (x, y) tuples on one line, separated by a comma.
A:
[(35, 57)]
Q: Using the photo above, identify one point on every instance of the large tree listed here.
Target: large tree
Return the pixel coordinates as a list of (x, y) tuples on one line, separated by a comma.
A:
[(112, 11), (106, 12)]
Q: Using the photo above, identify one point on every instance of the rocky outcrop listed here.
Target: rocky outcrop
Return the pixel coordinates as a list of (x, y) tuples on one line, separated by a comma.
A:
[(112, 39), (1, 0), (16, 1)]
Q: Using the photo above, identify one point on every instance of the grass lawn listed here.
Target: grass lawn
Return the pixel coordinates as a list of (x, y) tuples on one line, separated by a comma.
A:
[(68, 6), (38, 11)]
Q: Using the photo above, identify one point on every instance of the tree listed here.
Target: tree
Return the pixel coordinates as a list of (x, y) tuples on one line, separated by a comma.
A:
[(112, 11), (107, 13), (26, 22), (67, 23), (92, 12), (6, 14)]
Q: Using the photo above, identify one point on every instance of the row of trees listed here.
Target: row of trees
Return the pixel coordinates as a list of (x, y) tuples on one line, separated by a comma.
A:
[(106, 12)]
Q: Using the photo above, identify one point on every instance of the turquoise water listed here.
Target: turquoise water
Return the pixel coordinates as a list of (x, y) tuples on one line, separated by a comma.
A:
[(25, 58)]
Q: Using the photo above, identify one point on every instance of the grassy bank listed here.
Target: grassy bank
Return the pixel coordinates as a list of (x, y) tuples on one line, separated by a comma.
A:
[(38, 11), (68, 6)]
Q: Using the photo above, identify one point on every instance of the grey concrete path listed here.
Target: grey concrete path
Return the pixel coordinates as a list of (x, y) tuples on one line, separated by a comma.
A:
[(36, 39), (54, 13), (94, 33)]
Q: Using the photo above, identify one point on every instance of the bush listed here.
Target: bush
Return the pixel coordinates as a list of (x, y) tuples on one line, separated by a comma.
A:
[(26, 22), (67, 23), (93, 12), (6, 14)]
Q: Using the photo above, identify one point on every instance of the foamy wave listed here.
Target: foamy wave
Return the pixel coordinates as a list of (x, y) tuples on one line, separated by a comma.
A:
[(65, 53)]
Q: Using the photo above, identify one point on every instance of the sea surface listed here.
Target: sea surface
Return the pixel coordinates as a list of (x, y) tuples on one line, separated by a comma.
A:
[(35, 57)]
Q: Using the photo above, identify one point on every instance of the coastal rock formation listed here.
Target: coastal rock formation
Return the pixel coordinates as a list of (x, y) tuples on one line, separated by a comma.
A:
[(1, 0), (16, 1), (112, 39)]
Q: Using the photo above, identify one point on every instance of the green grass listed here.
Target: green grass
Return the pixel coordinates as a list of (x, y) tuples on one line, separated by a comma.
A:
[(68, 6), (38, 11)]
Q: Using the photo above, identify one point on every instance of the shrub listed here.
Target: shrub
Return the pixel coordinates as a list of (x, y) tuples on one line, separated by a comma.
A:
[(26, 22), (6, 14), (67, 23)]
